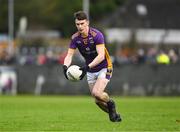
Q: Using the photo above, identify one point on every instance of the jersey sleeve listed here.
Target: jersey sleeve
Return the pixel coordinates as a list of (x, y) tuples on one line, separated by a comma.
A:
[(99, 39), (72, 44)]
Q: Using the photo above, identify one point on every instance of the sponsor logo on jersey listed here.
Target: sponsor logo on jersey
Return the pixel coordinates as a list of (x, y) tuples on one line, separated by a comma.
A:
[(91, 41), (78, 42), (87, 49)]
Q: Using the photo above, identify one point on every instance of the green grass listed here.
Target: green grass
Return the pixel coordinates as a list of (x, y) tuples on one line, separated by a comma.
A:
[(78, 113)]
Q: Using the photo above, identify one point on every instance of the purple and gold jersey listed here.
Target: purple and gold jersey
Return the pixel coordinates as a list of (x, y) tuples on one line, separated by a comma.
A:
[(87, 47)]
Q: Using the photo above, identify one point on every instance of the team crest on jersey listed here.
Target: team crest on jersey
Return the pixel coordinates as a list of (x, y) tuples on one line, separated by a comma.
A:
[(85, 41)]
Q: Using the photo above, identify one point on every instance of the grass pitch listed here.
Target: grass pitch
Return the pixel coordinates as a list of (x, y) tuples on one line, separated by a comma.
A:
[(79, 113)]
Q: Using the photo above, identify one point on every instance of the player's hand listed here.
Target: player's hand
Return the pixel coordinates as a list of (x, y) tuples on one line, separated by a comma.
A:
[(84, 71), (65, 70)]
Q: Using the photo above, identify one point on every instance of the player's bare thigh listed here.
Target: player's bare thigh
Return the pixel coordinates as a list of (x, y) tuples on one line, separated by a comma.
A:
[(99, 86), (97, 90), (97, 81)]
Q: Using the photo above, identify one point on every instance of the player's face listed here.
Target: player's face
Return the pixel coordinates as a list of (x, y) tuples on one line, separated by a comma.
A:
[(82, 26)]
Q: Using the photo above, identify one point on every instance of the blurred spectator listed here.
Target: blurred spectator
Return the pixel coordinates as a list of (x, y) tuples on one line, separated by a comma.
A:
[(51, 58), (122, 56), (173, 56), (30, 59), (141, 57), (41, 59), (151, 56), (61, 57), (3, 55), (137, 57), (163, 58), (5, 58)]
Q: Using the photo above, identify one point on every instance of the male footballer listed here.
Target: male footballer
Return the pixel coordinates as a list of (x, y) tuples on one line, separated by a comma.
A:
[(98, 67)]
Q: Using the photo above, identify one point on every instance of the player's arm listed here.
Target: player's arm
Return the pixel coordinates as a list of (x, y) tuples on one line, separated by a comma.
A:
[(68, 60), (100, 48), (69, 56)]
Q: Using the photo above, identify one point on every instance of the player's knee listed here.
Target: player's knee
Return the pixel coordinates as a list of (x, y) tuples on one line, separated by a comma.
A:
[(96, 94)]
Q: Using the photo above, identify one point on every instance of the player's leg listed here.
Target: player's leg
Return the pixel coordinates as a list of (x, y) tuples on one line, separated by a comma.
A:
[(100, 104), (102, 99), (103, 77), (101, 96)]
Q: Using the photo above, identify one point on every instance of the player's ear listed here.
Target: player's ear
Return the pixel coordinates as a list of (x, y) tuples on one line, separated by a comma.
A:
[(88, 22)]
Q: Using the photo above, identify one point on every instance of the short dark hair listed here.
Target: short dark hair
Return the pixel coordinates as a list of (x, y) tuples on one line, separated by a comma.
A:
[(80, 15)]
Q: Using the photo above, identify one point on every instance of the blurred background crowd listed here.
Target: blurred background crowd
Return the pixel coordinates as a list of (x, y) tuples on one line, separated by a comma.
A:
[(56, 54)]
